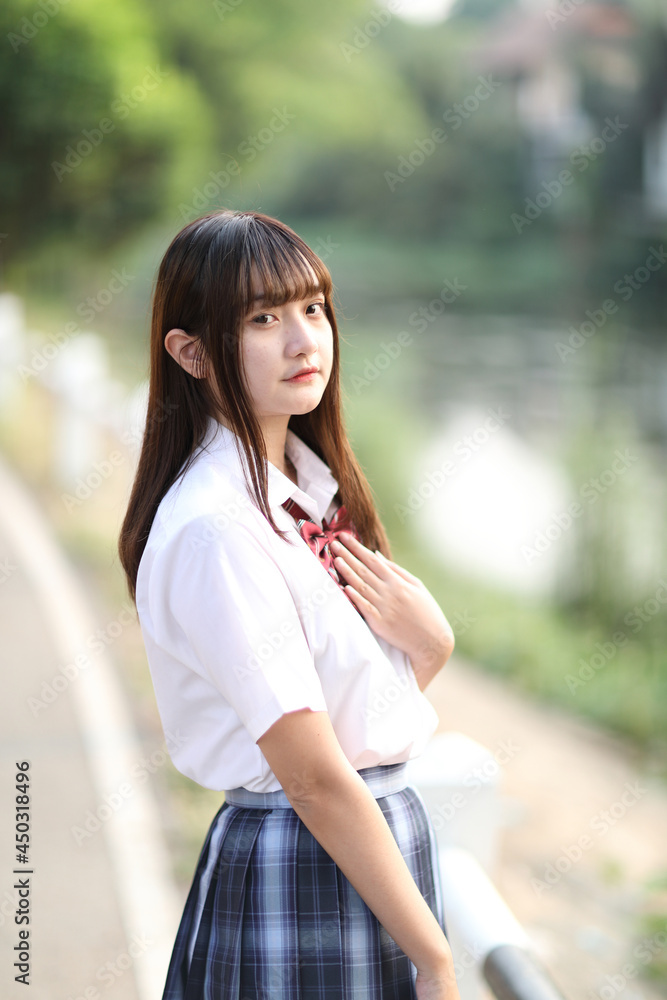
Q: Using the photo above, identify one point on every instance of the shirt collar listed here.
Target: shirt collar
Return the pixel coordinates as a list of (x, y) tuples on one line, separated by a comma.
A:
[(316, 485)]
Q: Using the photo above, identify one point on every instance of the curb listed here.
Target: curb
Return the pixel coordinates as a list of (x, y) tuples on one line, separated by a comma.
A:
[(147, 897)]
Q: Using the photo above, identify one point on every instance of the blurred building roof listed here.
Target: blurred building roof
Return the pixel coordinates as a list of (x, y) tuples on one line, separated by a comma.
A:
[(519, 40)]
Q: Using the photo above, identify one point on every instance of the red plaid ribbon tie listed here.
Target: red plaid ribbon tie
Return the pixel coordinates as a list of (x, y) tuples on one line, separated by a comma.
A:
[(320, 539)]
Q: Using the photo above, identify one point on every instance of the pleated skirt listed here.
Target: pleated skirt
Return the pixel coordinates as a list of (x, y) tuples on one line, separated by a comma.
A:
[(270, 916)]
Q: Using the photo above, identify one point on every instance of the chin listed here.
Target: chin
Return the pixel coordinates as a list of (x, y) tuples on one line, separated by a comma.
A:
[(296, 411), (304, 402)]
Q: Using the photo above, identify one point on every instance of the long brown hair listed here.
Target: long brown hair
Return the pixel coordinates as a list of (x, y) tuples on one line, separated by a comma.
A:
[(204, 287)]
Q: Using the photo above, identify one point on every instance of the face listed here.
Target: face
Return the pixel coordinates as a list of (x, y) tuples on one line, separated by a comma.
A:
[(287, 355)]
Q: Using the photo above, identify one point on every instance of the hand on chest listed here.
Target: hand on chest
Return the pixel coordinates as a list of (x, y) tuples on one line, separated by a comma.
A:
[(319, 538)]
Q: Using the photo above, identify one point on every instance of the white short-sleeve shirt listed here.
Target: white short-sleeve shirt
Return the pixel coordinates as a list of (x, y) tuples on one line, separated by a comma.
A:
[(241, 626)]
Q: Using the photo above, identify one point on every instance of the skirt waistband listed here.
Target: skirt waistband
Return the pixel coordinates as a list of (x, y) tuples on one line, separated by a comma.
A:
[(382, 779)]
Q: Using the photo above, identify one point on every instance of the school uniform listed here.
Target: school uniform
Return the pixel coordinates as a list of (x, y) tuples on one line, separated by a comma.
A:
[(240, 627)]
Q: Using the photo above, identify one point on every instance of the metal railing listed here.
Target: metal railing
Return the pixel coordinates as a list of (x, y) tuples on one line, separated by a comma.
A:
[(458, 779)]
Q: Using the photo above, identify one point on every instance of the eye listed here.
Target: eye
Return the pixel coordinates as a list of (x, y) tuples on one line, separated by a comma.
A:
[(318, 307), (262, 319)]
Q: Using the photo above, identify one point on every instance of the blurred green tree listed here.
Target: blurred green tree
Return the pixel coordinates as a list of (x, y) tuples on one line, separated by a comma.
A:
[(92, 116), (119, 113)]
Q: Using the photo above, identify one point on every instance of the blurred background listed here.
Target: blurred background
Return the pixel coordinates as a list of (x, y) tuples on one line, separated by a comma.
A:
[(487, 182)]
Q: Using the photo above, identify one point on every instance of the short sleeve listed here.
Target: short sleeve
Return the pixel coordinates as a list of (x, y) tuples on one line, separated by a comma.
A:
[(229, 598)]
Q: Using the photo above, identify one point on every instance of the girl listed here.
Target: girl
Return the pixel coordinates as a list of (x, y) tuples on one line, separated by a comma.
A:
[(293, 673)]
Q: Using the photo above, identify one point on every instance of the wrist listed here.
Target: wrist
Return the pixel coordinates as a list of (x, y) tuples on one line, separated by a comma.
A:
[(434, 652), (439, 965)]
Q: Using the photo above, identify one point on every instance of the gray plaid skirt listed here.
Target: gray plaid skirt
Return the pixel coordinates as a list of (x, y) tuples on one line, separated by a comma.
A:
[(270, 916)]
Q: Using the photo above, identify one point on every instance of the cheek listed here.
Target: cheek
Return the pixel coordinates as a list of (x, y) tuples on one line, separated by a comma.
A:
[(326, 348), (260, 365)]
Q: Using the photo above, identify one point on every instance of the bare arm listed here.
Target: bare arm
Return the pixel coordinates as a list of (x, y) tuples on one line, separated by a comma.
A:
[(340, 811)]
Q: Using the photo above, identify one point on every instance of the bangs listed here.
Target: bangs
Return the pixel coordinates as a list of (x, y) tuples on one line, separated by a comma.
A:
[(279, 268)]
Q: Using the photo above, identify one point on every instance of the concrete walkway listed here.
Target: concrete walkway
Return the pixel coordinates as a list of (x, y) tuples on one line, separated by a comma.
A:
[(103, 911)]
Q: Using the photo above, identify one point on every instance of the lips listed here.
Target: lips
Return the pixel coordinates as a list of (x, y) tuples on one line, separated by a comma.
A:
[(301, 373)]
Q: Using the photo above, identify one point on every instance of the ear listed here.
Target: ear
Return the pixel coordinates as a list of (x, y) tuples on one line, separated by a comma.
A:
[(183, 349)]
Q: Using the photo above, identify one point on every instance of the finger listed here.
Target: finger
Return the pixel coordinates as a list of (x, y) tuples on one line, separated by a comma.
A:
[(368, 610), (381, 564), (351, 576), (372, 560), (363, 571), (400, 570)]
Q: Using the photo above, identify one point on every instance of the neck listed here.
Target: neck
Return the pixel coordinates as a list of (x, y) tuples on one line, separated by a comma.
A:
[(275, 436), (274, 431)]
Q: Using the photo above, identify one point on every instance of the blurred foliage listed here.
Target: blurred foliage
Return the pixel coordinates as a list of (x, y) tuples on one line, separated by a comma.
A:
[(651, 947), (189, 94), (182, 92), (545, 648), (96, 127), (309, 111)]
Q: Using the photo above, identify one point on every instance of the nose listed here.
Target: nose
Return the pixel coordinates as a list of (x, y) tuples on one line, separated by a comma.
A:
[(302, 337)]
